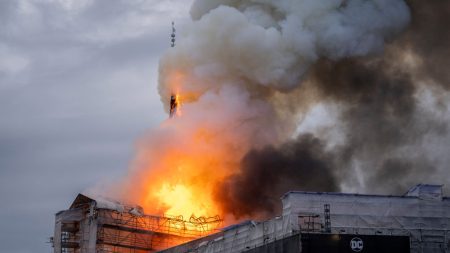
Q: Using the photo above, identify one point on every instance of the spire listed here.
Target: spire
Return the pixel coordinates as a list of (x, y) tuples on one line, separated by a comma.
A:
[(173, 35), (174, 105)]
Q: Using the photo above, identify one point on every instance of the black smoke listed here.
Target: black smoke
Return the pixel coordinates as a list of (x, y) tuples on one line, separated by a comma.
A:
[(266, 174), (429, 37)]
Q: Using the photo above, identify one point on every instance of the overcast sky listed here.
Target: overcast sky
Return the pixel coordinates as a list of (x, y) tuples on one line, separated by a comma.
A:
[(77, 88)]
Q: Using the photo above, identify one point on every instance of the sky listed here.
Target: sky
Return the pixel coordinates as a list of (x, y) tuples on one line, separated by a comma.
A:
[(77, 89)]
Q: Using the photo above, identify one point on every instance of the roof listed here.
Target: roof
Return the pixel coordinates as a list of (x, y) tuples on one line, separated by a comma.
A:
[(80, 201), (241, 224), (344, 194), (415, 192), (83, 200)]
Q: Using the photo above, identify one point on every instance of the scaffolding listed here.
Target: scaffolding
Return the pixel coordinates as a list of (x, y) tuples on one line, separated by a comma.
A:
[(327, 217), (93, 226), (126, 230)]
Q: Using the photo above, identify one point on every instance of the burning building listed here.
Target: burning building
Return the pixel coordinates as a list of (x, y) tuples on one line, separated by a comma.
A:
[(99, 225), (249, 74), (417, 222)]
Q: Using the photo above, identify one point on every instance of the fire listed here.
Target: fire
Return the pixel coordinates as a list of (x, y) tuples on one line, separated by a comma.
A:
[(181, 179), (180, 166), (183, 186), (183, 198), (178, 103), (181, 201), (175, 106)]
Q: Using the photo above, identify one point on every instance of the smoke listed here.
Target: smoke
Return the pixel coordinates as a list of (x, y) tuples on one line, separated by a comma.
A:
[(428, 38), (382, 98), (272, 44), (382, 120), (266, 174), (249, 71)]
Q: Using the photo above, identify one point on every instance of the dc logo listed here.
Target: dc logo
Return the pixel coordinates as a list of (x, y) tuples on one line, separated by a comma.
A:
[(356, 244)]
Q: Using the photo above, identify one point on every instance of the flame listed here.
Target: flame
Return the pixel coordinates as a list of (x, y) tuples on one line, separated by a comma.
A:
[(179, 167), (183, 186), (184, 197), (178, 104), (181, 201), (183, 176)]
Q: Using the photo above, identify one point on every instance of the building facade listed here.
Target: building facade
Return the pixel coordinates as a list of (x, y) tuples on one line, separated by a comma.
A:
[(417, 222)]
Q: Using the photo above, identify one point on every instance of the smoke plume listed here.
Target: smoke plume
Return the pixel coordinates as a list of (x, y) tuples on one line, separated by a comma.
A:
[(249, 71), (383, 123), (266, 174)]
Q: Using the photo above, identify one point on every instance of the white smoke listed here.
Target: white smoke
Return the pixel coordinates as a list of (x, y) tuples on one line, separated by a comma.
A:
[(273, 43)]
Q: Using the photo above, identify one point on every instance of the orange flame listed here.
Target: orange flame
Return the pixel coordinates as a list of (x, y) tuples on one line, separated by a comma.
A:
[(178, 103), (182, 177), (184, 186), (183, 162)]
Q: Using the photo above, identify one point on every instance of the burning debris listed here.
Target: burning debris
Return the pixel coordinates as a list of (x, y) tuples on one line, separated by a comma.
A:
[(251, 70)]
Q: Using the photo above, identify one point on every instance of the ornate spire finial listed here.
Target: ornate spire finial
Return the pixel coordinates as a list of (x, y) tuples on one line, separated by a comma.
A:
[(173, 35)]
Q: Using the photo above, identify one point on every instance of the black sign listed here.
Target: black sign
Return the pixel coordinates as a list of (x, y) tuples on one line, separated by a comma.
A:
[(345, 243)]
